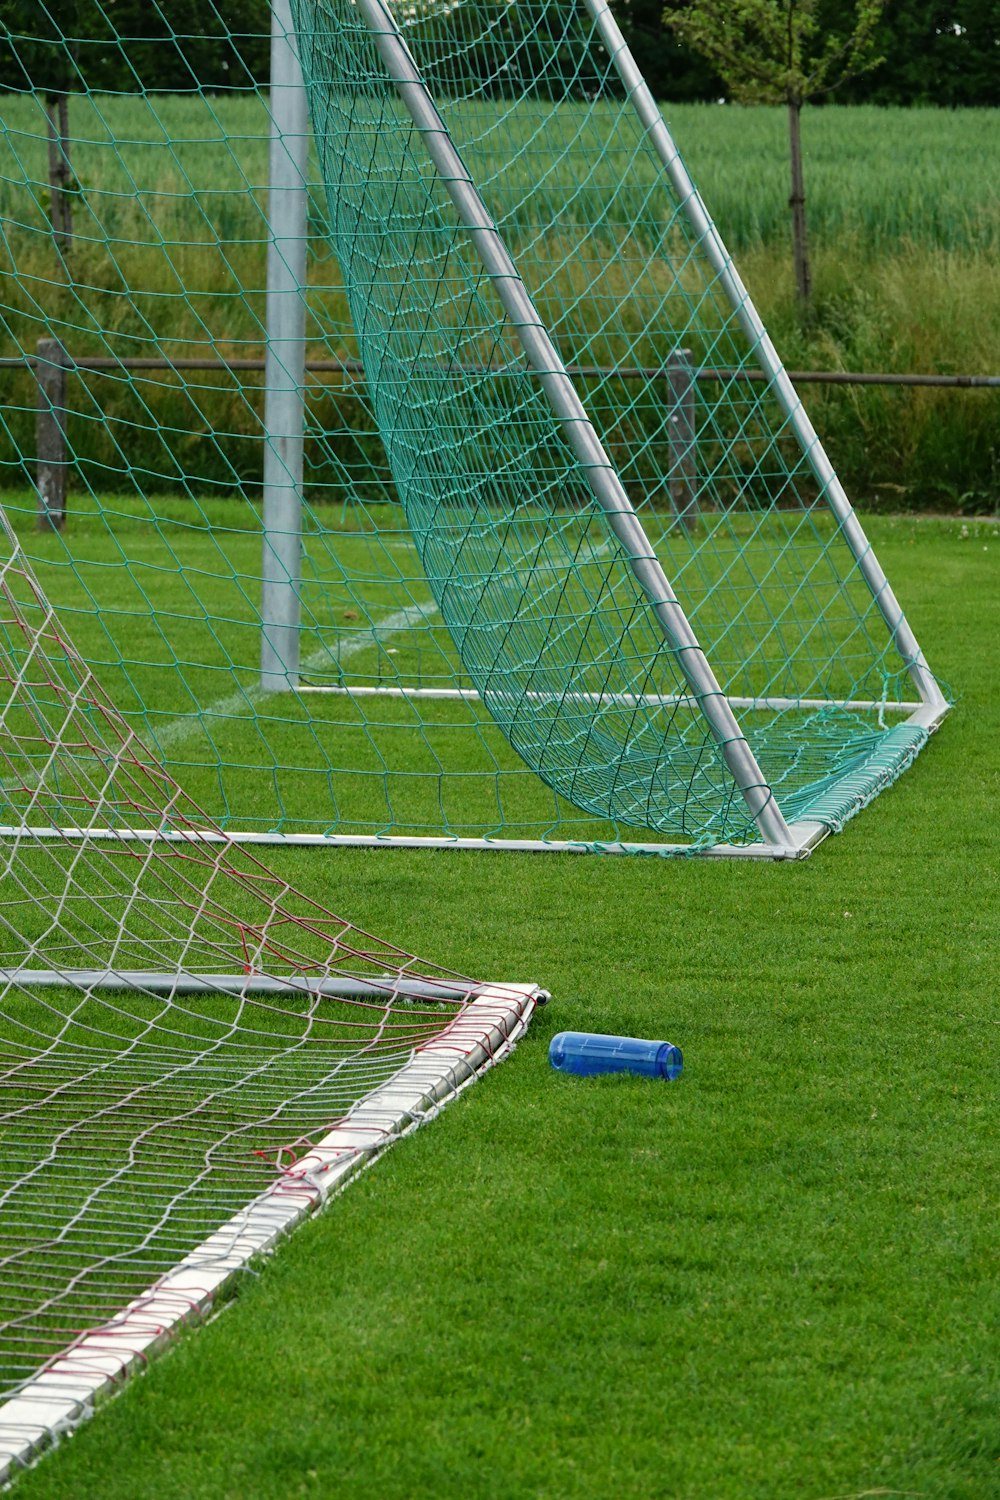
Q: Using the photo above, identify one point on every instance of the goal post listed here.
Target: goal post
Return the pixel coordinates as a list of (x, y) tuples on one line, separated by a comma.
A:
[(524, 541), (285, 355)]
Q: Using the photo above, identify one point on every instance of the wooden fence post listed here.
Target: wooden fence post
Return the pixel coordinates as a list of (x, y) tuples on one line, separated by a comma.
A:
[(51, 363), (60, 172), (682, 477)]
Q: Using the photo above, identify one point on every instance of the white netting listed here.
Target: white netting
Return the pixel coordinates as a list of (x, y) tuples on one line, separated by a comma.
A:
[(178, 1024)]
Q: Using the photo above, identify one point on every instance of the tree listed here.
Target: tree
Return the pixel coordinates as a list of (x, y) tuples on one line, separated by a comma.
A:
[(943, 52), (126, 46), (781, 52), (672, 70), (509, 50)]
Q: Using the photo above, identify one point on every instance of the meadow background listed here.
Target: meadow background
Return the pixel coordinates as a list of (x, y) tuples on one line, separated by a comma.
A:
[(905, 222)]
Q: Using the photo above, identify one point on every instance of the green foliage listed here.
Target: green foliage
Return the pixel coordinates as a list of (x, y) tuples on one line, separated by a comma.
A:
[(930, 53), (905, 272), (123, 46), (933, 54), (673, 70), (507, 51), (777, 51)]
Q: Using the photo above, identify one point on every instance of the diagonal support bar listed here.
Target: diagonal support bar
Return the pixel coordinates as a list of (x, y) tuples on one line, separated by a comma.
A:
[(646, 107), (598, 469)]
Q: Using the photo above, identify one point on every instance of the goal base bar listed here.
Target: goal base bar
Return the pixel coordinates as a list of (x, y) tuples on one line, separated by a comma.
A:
[(64, 1394), (805, 837), (828, 814), (185, 982)]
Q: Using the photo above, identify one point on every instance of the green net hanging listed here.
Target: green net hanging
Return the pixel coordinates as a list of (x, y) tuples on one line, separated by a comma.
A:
[(475, 659), (545, 613)]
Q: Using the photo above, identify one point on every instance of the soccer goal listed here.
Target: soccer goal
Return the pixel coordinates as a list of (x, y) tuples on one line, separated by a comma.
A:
[(524, 540), (193, 1055)]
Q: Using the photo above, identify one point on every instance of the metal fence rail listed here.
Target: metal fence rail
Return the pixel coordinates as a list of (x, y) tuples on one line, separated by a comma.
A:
[(52, 364), (354, 367)]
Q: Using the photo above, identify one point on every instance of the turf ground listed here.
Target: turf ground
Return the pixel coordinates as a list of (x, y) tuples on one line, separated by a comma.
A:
[(166, 608), (774, 1278)]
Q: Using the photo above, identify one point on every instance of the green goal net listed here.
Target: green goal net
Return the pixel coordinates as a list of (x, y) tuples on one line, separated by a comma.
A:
[(527, 541)]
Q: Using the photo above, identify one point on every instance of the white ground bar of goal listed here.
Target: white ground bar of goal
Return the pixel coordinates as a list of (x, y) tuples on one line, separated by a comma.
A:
[(601, 699), (190, 982), (805, 835), (67, 1390)]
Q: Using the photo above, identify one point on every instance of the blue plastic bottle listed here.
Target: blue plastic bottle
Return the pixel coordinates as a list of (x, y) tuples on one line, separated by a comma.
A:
[(586, 1053)]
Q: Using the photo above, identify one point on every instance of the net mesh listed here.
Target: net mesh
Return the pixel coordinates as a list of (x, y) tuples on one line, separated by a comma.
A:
[(476, 658), (178, 1024)]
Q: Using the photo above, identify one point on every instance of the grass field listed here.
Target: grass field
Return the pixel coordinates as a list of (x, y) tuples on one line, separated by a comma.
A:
[(774, 1278), (166, 607), (193, 171)]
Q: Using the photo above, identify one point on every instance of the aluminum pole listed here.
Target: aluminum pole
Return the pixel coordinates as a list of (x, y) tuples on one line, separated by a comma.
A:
[(284, 376), (646, 107), (598, 469)]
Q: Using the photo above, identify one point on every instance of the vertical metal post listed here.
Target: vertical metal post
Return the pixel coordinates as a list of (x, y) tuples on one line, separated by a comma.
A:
[(284, 376), (681, 479), (577, 427), (646, 108), (51, 362)]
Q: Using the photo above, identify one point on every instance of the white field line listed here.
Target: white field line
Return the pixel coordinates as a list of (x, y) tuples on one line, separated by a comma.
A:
[(621, 700), (185, 728), (179, 730)]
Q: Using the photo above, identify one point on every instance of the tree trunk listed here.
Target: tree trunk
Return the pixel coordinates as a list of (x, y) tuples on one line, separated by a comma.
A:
[(797, 203)]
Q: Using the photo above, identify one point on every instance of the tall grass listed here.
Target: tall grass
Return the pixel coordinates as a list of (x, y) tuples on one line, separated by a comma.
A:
[(198, 165), (919, 309), (170, 251)]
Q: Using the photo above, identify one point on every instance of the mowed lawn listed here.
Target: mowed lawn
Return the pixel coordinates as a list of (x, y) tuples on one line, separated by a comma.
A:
[(776, 1277)]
